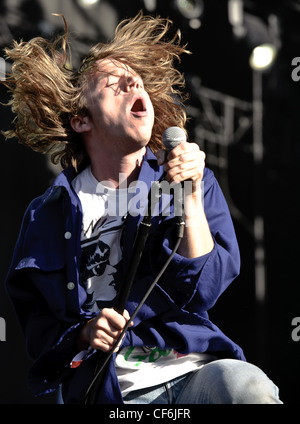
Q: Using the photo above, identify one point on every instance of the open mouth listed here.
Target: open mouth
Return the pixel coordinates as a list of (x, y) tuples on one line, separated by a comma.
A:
[(139, 107)]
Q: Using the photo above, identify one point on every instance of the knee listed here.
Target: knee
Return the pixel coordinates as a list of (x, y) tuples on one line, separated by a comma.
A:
[(237, 382)]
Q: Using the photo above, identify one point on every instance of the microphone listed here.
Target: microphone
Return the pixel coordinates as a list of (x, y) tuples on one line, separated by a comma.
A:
[(172, 137)]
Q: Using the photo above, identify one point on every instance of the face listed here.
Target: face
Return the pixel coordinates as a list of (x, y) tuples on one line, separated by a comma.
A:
[(120, 109)]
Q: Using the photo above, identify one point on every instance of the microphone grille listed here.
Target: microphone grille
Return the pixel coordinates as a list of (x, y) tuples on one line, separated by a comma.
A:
[(172, 137)]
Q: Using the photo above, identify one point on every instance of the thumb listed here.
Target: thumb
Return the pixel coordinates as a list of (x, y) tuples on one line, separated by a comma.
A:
[(161, 156), (127, 316)]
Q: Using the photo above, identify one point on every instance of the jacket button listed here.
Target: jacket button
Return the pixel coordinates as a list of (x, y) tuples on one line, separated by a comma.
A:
[(67, 235), (70, 285)]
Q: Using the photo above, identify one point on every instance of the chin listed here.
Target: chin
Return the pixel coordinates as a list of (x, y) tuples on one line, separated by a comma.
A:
[(144, 136), (139, 141)]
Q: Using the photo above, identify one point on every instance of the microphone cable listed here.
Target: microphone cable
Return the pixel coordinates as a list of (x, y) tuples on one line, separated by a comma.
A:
[(172, 137), (92, 391)]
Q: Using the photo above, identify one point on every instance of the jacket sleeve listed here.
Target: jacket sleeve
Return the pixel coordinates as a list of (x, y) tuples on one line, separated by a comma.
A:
[(197, 283), (37, 285), (50, 338)]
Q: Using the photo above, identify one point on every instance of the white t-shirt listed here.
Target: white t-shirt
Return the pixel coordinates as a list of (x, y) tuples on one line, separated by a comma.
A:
[(104, 214), (141, 367)]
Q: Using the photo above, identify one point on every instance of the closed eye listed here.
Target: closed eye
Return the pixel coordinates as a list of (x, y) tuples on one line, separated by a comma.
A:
[(112, 80), (111, 84)]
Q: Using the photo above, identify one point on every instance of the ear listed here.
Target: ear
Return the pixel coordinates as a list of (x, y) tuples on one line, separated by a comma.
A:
[(80, 124)]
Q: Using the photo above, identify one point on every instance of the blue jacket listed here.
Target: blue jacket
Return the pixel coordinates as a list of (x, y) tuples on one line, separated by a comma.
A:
[(44, 285)]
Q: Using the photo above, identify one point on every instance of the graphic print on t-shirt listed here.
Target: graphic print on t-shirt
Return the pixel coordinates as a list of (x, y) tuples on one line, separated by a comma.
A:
[(101, 263)]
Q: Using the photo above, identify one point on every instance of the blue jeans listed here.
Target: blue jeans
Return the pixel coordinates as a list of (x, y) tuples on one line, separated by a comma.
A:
[(225, 381)]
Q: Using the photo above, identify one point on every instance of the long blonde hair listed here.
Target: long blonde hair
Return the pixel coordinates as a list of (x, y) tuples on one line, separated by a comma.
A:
[(46, 93)]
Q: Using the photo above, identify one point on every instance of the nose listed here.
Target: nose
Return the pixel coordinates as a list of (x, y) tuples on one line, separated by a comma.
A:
[(134, 83)]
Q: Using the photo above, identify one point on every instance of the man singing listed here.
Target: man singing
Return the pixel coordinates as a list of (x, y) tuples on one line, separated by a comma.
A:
[(104, 124)]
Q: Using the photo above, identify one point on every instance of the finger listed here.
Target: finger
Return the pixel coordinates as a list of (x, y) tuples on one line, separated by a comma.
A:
[(194, 175), (127, 316), (189, 162), (102, 338), (115, 320), (112, 323), (193, 164), (103, 344), (106, 337), (104, 326), (192, 170), (182, 148), (161, 156), (183, 156)]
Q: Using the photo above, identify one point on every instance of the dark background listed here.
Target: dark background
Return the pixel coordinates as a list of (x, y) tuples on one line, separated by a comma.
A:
[(220, 83)]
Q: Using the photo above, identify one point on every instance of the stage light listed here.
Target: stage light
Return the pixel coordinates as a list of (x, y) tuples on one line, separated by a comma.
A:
[(263, 49), (195, 23), (262, 57), (190, 9), (86, 4), (150, 5), (257, 41)]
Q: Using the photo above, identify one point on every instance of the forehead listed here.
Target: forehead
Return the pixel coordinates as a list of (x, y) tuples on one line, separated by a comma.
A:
[(106, 67)]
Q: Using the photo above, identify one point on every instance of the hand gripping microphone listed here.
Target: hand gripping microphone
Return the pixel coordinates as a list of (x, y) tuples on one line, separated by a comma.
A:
[(172, 137)]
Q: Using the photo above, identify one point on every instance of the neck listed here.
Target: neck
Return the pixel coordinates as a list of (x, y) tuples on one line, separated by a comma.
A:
[(118, 168)]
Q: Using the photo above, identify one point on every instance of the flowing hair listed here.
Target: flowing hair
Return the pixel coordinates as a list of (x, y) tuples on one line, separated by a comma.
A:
[(46, 93)]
